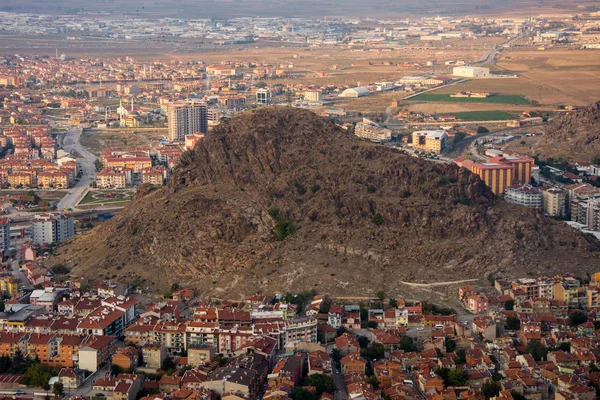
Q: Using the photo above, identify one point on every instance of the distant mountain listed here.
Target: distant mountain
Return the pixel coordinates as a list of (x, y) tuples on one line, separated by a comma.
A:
[(574, 136), (280, 199)]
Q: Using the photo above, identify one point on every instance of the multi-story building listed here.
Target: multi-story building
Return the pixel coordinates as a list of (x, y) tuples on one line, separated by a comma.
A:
[(368, 129), (477, 303), (312, 95), (497, 176), (186, 118), (110, 178), (431, 141), (4, 234), (155, 175), (522, 167), (52, 228), (524, 195), (136, 164), (53, 179), (263, 97), (555, 202), (9, 285)]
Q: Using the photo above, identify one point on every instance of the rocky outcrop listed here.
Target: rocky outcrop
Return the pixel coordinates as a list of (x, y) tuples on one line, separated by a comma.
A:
[(280, 199), (574, 136)]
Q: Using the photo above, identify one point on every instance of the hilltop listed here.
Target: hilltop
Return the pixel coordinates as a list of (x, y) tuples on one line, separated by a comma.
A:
[(280, 199), (574, 136)]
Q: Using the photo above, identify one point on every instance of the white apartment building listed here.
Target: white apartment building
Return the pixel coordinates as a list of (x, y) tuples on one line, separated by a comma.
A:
[(52, 228), (525, 195), (368, 129), (186, 118)]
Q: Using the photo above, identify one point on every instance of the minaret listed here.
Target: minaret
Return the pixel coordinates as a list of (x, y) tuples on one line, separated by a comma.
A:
[(120, 112), (132, 104)]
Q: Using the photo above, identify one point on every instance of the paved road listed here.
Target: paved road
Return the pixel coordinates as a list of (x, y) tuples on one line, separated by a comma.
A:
[(71, 143), (338, 379), (14, 264)]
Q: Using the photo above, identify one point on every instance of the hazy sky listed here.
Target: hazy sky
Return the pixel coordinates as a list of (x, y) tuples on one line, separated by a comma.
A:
[(290, 8)]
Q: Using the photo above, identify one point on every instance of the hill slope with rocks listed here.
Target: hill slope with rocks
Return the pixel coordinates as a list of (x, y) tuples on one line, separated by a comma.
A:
[(574, 136), (280, 199)]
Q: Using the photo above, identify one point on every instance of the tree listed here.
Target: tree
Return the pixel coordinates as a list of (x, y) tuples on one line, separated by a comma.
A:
[(58, 390), (407, 344), (373, 352), (537, 350), (491, 389), (509, 305), (457, 377), (381, 295), (577, 318), (373, 381), (516, 395), (482, 129), (321, 382), (300, 393), (336, 355), (513, 323), (363, 341), (37, 375), (377, 219), (450, 345), (167, 365), (393, 303), (461, 357)]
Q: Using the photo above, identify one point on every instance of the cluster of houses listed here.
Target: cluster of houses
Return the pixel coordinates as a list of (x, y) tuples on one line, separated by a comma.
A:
[(31, 159)]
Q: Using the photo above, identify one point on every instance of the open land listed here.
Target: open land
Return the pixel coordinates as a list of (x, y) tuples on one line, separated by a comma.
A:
[(97, 139)]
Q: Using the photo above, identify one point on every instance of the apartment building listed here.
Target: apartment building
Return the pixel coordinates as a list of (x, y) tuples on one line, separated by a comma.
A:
[(497, 176), (155, 175), (430, 141), (186, 118), (368, 129), (4, 234), (524, 195), (52, 228), (555, 202), (136, 164), (263, 97), (111, 179)]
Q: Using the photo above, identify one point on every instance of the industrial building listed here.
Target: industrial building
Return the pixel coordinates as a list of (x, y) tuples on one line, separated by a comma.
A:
[(355, 92), (187, 118), (471, 72)]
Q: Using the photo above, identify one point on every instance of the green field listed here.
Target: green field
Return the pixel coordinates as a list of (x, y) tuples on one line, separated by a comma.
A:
[(484, 115), (90, 199), (497, 99)]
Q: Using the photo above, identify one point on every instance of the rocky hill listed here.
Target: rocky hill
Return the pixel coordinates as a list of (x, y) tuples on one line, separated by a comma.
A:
[(574, 136), (280, 199)]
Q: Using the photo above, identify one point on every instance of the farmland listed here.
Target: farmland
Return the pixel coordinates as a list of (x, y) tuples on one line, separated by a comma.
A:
[(497, 99), (491, 115)]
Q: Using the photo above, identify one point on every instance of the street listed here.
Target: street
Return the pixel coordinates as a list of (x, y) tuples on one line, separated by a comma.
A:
[(71, 143), (14, 265)]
